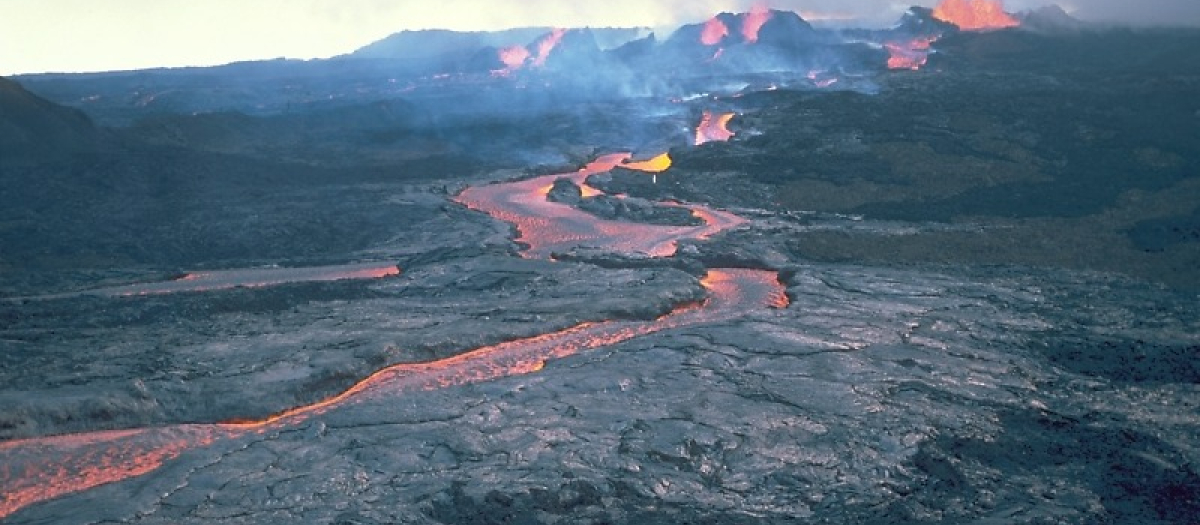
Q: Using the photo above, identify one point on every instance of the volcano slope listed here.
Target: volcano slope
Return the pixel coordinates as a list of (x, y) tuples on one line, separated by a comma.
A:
[(943, 355)]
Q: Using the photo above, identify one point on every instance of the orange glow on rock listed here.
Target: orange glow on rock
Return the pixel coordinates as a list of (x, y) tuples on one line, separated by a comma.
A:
[(657, 164), (713, 128), (714, 32), (754, 20), (975, 15)]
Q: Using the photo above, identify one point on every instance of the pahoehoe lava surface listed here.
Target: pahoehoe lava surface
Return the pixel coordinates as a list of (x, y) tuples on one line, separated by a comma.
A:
[(397, 289)]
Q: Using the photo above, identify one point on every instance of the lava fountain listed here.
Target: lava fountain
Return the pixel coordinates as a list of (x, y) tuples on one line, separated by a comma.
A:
[(753, 21), (975, 15), (546, 45), (714, 32)]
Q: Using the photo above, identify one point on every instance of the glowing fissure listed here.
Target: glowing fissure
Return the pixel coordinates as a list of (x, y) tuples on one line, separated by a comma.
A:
[(975, 15), (38, 469), (713, 128)]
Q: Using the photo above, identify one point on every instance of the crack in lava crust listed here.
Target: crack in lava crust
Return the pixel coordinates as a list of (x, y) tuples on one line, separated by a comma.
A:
[(38, 469)]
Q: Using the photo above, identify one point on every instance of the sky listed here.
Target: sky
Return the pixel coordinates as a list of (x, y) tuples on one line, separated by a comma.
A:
[(104, 35)]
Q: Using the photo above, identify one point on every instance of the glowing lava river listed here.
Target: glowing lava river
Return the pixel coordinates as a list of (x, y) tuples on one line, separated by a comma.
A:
[(547, 227), (38, 469)]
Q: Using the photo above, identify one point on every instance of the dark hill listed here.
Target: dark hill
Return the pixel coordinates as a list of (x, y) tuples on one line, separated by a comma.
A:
[(1051, 18), (33, 127)]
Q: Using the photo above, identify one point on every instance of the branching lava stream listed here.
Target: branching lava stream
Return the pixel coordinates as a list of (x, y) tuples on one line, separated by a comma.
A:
[(38, 469), (546, 227)]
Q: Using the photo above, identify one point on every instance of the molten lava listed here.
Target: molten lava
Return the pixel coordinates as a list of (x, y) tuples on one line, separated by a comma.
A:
[(657, 164), (713, 128), (39, 469), (912, 54), (546, 227), (975, 15), (546, 45), (754, 20), (714, 32)]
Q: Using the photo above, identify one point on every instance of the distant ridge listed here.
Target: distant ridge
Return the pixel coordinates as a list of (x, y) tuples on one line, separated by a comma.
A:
[(429, 43)]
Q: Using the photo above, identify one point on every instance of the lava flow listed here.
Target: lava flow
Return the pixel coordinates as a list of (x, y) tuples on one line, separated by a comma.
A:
[(39, 469), (546, 227), (912, 54), (713, 128), (975, 15), (213, 280)]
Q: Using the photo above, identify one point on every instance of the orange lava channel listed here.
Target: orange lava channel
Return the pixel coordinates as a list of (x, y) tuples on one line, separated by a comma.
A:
[(546, 228)]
